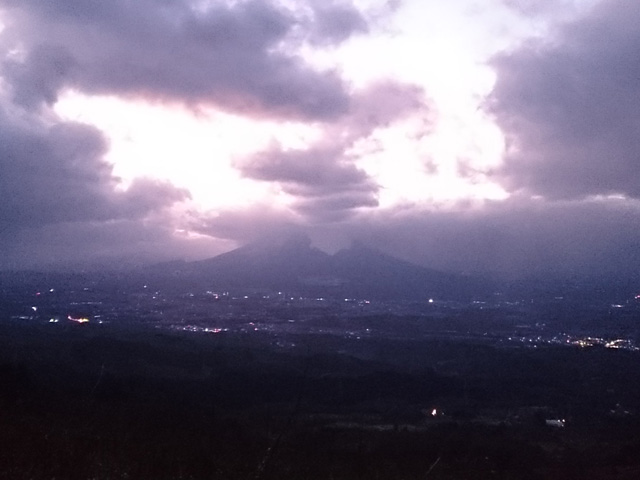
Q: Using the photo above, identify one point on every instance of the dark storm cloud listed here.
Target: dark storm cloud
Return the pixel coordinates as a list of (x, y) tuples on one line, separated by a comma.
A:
[(324, 178), (334, 22), (112, 245), (40, 77), (60, 198), (239, 56), (56, 173), (335, 207), (146, 195), (250, 224), (311, 172), (570, 107), (515, 238)]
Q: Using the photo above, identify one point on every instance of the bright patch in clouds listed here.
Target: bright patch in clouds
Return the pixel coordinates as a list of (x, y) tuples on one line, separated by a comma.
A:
[(198, 150), (465, 134), (194, 150), (431, 157)]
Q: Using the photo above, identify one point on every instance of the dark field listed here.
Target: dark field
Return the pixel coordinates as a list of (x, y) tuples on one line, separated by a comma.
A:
[(100, 402)]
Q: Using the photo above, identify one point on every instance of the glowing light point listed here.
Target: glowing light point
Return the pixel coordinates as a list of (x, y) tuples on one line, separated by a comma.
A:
[(78, 319)]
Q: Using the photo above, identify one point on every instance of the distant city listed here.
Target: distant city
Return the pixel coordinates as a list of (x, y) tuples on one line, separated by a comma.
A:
[(530, 322), (277, 357)]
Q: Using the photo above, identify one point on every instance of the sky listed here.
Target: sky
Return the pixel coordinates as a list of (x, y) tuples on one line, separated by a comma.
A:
[(470, 135)]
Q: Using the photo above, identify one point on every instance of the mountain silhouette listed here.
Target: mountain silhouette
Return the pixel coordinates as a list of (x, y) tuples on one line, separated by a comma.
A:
[(293, 264), (273, 263)]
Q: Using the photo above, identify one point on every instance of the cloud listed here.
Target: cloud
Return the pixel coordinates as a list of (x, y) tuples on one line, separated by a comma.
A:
[(146, 195), (567, 104), (570, 109), (110, 244), (246, 224), (315, 168), (533, 8), (238, 56), (335, 207), (324, 177), (515, 238), (54, 172), (334, 22), (519, 237)]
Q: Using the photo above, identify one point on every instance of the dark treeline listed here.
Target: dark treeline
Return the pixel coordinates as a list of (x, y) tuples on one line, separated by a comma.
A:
[(80, 402)]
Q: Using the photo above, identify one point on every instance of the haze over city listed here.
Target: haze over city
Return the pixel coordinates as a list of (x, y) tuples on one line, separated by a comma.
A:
[(467, 136)]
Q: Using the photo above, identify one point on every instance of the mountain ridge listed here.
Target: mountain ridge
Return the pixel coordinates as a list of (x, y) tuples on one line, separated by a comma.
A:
[(358, 271)]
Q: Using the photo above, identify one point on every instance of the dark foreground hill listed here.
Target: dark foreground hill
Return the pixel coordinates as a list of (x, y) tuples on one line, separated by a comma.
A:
[(83, 402)]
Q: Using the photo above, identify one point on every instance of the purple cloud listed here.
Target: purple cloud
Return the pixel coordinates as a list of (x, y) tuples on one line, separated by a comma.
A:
[(570, 109), (56, 173), (240, 57), (334, 22), (324, 177)]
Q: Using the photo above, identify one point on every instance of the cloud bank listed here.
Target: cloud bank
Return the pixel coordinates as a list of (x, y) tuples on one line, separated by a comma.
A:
[(567, 104), (570, 109), (237, 56)]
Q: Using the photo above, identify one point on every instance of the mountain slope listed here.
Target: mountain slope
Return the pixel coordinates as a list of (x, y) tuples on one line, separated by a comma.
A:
[(293, 264), (265, 264), (380, 275)]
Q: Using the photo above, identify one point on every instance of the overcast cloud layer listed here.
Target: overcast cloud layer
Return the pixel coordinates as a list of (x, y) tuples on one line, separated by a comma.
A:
[(237, 56), (570, 107), (567, 103)]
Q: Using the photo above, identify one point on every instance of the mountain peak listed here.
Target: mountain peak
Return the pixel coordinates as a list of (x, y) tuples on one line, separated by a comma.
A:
[(291, 262)]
